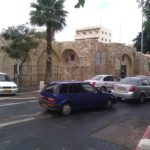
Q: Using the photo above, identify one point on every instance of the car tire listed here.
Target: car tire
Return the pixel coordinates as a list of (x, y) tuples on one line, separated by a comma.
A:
[(108, 104), (141, 98), (14, 94), (103, 89), (66, 109)]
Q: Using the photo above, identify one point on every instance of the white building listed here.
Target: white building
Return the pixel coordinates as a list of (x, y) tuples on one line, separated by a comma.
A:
[(99, 33)]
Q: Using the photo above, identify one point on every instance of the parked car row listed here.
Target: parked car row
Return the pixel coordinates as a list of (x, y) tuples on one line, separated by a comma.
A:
[(101, 90), (67, 96)]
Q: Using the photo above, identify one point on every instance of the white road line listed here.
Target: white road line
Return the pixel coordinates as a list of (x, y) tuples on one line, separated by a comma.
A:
[(16, 122), (31, 117), (11, 104), (38, 91), (16, 98)]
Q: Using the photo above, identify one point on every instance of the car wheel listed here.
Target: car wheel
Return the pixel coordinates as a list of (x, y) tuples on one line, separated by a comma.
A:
[(66, 109), (14, 94), (103, 89), (108, 104), (142, 98)]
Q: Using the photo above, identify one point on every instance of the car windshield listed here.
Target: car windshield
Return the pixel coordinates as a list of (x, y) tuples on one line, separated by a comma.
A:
[(96, 78), (133, 81), (4, 77)]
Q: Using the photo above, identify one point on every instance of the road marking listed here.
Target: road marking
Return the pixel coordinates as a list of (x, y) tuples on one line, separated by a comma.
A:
[(38, 91), (38, 115), (11, 104), (16, 98), (33, 115), (16, 122)]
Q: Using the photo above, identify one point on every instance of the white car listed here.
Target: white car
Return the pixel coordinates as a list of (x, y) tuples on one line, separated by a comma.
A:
[(6, 85), (103, 82)]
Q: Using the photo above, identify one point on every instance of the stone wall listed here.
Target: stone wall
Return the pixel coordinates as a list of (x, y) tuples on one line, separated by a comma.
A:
[(79, 60)]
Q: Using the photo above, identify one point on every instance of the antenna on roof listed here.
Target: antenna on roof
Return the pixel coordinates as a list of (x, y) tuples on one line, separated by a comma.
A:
[(100, 21), (120, 33)]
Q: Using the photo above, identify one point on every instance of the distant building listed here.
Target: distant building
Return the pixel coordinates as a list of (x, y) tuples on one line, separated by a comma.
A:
[(99, 33)]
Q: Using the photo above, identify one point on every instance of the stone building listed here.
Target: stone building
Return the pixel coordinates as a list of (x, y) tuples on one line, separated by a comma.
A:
[(78, 60)]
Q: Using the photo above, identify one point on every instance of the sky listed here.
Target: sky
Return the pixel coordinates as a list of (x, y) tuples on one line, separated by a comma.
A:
[(123, 17)]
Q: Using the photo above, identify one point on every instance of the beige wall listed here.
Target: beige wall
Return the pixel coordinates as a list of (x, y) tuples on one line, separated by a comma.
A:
[(84, 64)]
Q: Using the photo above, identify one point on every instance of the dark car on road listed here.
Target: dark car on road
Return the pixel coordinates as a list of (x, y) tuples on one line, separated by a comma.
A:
[(67, 96), (133, 88)]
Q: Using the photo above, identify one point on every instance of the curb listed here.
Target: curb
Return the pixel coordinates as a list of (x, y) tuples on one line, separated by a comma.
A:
[(144, 143), (28, 92)]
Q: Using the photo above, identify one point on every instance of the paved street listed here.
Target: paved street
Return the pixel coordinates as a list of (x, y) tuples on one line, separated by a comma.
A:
[(25, 125)]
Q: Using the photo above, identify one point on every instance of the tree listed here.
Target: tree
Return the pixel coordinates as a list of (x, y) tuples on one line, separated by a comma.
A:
[(146, 7), (146, 28), (40, 34), (80, 3), (20, 42), (49, 13)]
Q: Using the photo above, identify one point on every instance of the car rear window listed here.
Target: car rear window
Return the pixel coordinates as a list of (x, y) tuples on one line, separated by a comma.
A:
[(96, 78), (133, 81), (51, 88)]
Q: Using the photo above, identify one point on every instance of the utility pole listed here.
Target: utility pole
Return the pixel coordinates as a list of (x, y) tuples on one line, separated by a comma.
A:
[(141, 63)]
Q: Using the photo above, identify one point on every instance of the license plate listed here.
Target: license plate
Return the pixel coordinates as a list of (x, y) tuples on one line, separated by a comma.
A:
[(123, 89), (7, 92)]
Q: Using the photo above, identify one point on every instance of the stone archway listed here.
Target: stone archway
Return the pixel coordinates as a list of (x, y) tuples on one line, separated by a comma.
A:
[(69, 57), (69, 67), (127, 65), (41, 66)]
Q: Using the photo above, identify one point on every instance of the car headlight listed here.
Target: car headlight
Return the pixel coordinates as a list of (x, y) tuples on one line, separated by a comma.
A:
[(14, 86)]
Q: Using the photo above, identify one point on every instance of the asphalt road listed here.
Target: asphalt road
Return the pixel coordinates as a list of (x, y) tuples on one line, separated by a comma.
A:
[(24, 125)]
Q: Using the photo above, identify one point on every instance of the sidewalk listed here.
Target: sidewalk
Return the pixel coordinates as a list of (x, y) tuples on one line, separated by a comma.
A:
[(28, 94)]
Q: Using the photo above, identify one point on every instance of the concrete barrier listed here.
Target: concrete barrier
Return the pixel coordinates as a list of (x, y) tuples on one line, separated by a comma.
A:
[(41, 85), (144, 143)]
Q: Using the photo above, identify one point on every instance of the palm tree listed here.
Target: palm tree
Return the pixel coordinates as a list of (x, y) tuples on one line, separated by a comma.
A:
[(49, 13)]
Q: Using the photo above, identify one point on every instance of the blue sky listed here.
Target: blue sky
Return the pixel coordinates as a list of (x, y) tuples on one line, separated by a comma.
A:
[(122, 16)]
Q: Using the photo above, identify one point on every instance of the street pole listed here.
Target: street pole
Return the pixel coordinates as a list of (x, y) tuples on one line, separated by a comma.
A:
[(141, 64)]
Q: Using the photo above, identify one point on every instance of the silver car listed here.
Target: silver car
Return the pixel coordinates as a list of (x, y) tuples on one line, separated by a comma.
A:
[(6, 85), (133, 88), (103, 82)]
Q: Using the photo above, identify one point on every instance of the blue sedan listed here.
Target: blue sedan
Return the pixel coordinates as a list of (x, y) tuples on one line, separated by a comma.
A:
[(67, 96)]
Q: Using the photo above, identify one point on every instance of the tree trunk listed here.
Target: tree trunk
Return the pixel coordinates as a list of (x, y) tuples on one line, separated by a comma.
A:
[(48, 70)]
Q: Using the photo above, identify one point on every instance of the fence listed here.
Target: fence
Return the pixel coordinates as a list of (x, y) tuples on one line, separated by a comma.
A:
[(31, 76)]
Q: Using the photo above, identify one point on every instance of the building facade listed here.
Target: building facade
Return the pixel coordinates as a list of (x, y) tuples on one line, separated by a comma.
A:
[(78, 60), (99, 33)]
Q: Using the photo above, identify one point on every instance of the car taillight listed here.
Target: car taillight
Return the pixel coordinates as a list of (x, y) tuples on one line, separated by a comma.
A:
[(43, 97), (93, 83), (51, 100), (113, 87), (132, 88)]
